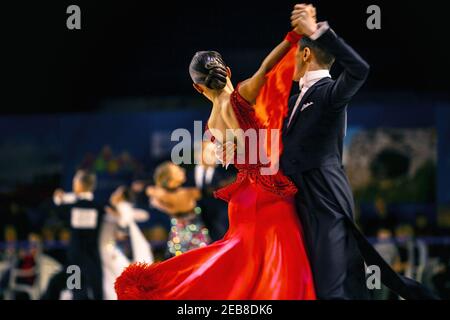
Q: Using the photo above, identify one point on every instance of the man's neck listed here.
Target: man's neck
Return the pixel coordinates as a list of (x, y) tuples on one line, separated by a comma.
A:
[(312, 76), (314, 66)]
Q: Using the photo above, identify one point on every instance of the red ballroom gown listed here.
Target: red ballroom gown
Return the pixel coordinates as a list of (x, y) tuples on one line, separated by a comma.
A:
[(262, 255)]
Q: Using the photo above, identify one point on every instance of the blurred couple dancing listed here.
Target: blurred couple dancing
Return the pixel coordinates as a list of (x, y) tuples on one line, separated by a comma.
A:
[(291, 233)]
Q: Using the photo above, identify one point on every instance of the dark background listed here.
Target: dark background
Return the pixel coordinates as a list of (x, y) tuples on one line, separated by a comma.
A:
[(143, 48)]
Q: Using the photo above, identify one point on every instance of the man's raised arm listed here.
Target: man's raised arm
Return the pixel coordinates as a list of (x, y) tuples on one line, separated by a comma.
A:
[(355, 70)]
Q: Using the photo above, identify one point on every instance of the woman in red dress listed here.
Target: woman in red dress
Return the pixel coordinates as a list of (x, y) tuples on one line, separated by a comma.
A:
[(262, 256)]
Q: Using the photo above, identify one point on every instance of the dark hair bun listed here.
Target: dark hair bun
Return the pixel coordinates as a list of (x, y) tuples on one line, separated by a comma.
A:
[(208, 68), (217, 76)]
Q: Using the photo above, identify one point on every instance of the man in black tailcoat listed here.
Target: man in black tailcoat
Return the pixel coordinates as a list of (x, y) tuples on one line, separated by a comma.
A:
[(313, 135)]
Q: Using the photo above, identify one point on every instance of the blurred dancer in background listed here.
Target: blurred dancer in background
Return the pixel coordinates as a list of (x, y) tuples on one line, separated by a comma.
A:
[(169, 196), (121, 216), (207, 177), (84, 216)]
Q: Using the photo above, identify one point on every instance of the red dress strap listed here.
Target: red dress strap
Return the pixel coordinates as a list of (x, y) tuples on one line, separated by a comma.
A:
[(244, 111)]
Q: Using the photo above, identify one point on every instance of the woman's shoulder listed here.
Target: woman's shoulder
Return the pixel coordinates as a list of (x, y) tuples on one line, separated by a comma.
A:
[(244, 110), (238, 100)]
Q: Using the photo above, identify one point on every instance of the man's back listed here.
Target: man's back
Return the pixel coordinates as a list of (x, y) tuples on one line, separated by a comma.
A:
[(84, 218)]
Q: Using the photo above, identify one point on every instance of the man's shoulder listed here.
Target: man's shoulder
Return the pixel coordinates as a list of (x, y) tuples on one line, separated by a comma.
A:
[(325, 86), (322, 86), (324, 83)]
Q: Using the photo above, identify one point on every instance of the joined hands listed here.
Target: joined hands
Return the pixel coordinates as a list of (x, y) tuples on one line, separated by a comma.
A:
[(303, 19)]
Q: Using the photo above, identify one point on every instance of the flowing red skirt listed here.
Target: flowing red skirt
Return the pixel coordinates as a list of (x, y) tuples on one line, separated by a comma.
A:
[(262, 256)]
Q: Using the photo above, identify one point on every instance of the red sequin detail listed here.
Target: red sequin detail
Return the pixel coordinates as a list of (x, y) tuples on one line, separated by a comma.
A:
[(277, 183)]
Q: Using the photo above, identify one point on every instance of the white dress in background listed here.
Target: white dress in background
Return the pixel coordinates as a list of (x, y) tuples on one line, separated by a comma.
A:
[(114, 260)]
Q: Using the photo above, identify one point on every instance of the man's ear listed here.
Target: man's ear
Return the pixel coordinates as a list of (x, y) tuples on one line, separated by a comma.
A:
[(307, 54), (229, 72), (198, 88)]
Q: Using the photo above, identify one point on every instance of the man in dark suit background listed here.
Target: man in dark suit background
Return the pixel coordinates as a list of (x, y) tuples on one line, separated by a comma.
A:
[(207, 176), (84, 215), (313, 135)]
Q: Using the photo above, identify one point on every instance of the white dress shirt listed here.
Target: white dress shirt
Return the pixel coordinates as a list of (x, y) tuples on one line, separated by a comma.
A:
[(309, 79)]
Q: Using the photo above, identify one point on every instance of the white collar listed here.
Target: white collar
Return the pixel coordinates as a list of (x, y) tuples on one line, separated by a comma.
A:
[(311, 77)]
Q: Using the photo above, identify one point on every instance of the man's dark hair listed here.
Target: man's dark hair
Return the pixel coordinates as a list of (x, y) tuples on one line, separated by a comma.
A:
[(323, 57), (87, 178)]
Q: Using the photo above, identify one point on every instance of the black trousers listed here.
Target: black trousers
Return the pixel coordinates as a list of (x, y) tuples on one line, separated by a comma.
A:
[(215, 216), (325, 207), (91, 280), (336, 248)]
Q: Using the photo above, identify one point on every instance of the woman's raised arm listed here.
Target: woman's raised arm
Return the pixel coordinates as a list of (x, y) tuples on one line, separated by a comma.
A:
[(249, 89)]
